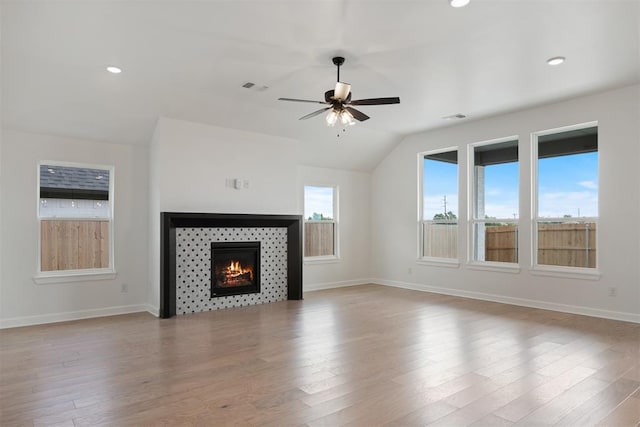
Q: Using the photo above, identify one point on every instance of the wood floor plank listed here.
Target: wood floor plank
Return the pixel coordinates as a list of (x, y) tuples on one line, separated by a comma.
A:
[(360, 356)]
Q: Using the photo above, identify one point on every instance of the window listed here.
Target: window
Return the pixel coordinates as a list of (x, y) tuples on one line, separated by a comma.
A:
[(494, 201), (566, 206), (75, 215), (439, 204), (320, 222)]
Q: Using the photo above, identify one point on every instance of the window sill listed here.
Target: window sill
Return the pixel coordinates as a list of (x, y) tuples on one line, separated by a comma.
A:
[(568, 273), (321, 260), (68, 276), (439, 262), (502, 267)]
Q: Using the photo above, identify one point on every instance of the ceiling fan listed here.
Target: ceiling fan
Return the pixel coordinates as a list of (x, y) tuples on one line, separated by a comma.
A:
[(340, 104)]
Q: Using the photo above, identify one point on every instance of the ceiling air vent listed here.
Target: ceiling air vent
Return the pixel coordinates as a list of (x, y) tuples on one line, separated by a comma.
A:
[(455, 117)]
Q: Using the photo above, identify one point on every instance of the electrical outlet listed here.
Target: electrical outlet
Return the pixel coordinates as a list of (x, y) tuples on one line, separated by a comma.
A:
[(613, 291), (124, 288)]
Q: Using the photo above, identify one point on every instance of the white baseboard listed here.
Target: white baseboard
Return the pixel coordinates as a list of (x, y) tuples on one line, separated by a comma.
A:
[(153, 310), (564, 308), (112, 311), (331, 285), (73, 315)]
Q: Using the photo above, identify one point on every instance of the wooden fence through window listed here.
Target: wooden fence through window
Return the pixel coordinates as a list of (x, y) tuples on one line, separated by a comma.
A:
[(564, 244), (572, 245), (318, 239), (74, 244), (501, 243)]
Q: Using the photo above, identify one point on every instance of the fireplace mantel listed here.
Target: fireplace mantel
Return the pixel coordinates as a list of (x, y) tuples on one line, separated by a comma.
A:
[(169, 221)]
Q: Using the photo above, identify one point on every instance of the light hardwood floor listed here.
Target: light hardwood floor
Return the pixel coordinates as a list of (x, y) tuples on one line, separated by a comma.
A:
[(361, 356)]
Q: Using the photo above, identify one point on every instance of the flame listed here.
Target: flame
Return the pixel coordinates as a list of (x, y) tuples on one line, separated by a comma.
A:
[(236, 269)]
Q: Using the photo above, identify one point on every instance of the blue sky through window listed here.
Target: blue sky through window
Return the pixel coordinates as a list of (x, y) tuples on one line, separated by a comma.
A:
[(440, 180), (319, 201), (501, 190), (567, 185)]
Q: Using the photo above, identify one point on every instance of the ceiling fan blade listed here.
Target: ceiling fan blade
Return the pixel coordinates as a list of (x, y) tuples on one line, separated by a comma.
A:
[(358, 115), (315, 113), (376, 101), (301, 100)]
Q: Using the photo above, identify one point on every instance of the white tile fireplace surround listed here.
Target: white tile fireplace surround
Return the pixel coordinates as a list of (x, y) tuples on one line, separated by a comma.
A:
[(193, 267), (186, 240)]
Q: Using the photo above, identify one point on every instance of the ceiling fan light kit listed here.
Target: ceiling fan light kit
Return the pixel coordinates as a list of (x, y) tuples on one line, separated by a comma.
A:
[(340, 104)]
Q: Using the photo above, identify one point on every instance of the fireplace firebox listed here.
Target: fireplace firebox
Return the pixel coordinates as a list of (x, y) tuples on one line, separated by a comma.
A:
[(235, 268)]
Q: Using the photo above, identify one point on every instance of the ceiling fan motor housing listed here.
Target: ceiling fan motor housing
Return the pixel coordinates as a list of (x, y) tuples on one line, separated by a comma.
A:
[(329, 97)]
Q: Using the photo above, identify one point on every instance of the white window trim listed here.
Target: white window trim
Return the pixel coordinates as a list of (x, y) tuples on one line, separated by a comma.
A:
[(566, 272), (420, 258), (63, 276), (471, 209), (500, 267), (74, 276), (439, 262), (325, 259), (554, 270)]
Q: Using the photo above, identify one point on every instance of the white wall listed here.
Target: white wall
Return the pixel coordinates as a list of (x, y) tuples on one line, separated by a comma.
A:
[(394, 211), (190, 163), (2, 297), (186, 167), (354, 264), (24, 302)]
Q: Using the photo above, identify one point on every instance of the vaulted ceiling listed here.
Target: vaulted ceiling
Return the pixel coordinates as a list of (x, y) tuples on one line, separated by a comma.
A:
[(189, 59)]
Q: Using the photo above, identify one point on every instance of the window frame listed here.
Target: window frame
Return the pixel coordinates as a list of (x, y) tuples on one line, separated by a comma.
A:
[(420, 257), (78, 275), (323, 259), (557, 270), (471, 209)]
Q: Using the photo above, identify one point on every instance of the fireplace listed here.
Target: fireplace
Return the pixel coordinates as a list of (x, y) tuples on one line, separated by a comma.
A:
[(235, 268), (185, 259)]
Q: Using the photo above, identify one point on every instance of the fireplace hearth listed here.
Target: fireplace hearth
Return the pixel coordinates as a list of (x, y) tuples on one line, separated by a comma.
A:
[(235, 268)]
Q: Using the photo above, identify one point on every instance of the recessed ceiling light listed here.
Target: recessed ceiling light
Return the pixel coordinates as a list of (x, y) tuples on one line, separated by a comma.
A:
[(114, 70), (556, 60), (458, 3)]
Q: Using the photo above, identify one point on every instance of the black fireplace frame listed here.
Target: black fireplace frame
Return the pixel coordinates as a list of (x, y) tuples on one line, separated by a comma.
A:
[(223, 248), (170, 221)]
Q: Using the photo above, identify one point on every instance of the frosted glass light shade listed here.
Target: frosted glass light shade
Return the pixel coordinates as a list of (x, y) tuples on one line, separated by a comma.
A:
[(346, 118), (342, 90), (332, 117)]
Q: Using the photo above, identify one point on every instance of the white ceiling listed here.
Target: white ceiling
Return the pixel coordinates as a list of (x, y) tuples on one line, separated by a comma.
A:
[(189, 59)]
